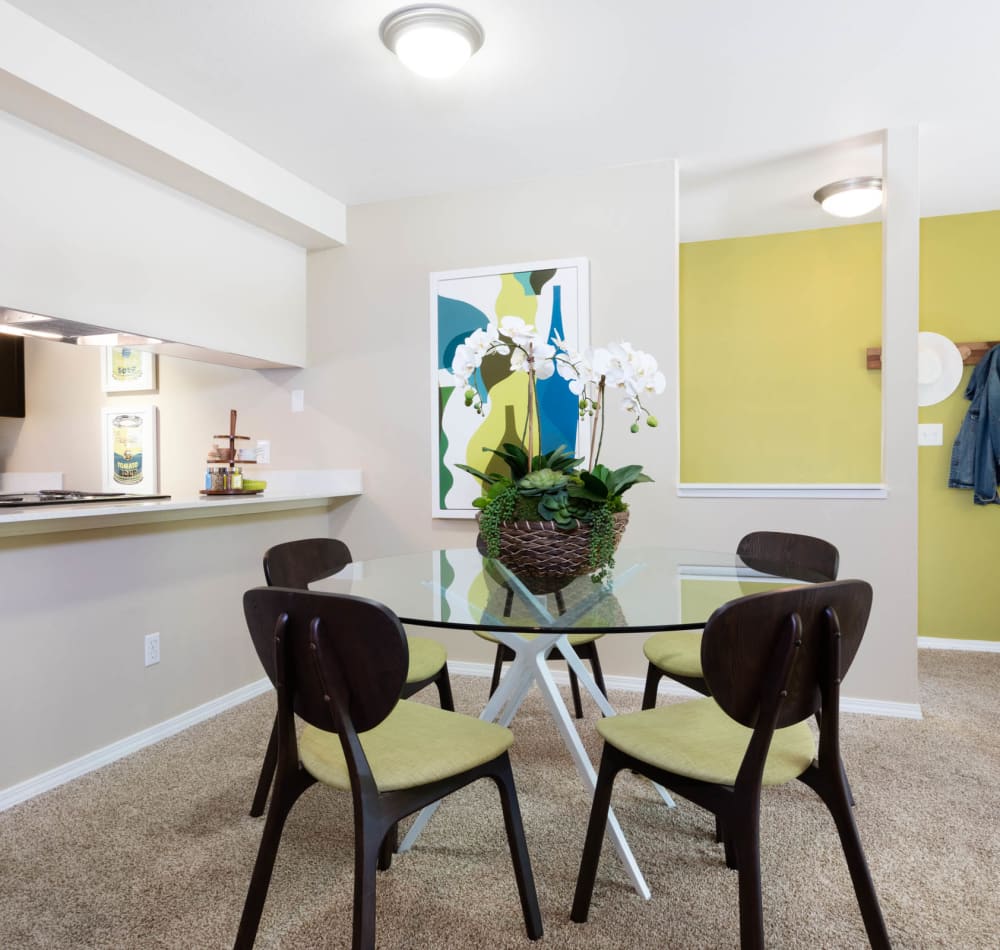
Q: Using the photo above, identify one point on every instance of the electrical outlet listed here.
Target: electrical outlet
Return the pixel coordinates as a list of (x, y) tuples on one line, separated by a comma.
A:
[(298, 400), (263, 452), (152, 648)]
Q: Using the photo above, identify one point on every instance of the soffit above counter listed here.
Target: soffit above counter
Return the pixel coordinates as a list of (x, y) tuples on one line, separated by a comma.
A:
[(53, 83)]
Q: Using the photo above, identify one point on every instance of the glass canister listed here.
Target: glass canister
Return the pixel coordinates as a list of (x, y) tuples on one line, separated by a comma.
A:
[(126, 432), (126, 363)]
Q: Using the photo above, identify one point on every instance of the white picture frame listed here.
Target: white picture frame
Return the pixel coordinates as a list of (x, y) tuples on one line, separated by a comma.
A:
[(126, 369), (461, 301), (129, 451)]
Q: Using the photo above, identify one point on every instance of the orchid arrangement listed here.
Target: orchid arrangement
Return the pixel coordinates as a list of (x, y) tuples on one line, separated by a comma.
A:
[(553, 486)]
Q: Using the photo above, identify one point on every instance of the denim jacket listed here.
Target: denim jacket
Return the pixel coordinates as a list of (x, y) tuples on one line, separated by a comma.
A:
[(975, 459)]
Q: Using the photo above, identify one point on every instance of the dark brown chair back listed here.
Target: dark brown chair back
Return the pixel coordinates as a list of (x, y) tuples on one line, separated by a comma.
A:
[(796, 556), (329, 650), (299, 563), (816, 628)]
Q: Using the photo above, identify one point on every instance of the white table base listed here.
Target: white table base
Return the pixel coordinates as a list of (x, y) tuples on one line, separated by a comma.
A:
[(529, 668)]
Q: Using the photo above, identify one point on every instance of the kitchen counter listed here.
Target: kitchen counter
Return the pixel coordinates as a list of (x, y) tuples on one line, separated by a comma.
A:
[(285, 490)]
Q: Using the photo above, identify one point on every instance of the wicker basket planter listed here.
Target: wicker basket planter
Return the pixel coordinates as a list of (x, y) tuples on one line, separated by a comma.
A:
[(540, 549)]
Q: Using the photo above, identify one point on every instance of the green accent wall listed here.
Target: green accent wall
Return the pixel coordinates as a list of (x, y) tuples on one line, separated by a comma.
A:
[(959, 542), (774, 386), (772, 351)]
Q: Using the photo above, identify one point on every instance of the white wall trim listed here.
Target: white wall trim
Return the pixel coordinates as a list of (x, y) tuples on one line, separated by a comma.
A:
[(945, 643), (847, 490), (47, 781), (21, 792), (667, 687)]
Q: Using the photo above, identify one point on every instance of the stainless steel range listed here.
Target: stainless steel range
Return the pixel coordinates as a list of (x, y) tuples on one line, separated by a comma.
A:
[(29, 499)]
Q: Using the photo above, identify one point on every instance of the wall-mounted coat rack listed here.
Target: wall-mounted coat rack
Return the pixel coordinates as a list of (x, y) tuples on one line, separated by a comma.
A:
[(972, 353)]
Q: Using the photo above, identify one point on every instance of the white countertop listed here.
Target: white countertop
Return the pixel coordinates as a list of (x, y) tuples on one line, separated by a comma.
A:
[(286, 490)]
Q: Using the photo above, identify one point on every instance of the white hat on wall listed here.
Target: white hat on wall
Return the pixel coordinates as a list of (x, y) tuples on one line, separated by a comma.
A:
[(939, 368)]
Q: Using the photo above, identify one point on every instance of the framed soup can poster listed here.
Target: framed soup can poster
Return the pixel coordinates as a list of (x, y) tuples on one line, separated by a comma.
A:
[(550, 296), (129, 462)]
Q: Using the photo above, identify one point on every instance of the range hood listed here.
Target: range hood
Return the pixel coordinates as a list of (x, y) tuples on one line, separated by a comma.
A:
[(21, 323)]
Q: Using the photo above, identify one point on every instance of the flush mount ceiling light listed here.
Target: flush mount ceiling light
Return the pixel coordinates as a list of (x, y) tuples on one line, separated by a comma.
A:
[(434, 41), (851, 197)]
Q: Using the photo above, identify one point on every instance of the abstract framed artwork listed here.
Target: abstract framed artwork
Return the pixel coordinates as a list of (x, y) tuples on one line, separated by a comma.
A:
[(129, 450), (126, 369), (550, 295)]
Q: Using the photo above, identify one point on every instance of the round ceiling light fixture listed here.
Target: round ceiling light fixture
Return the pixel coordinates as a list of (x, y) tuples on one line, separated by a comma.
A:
[(851, 197), (434, 41)]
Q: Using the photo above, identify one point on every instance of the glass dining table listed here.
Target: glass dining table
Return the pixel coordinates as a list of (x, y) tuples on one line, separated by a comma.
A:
[(649, 590)]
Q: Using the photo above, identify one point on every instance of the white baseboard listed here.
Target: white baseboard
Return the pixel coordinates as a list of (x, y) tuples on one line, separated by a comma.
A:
[(944, 643), (668, 687), (21, 792)]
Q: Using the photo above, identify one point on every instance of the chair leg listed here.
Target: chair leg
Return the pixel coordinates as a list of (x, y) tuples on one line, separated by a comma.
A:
[(595, 665), (443, 684), (504, 779), (281, 804), (368, 840), (595, 836), (266, 773), (747, 844), (575, 690), (857, 864), (497, 669), (388, 848), (653, 677)]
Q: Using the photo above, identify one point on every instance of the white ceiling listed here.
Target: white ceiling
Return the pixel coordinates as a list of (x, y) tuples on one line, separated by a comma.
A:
[(762, 102)]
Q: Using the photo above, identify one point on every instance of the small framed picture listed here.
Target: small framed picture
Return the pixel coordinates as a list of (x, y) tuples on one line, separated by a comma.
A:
[(129, 451), (126, 369)]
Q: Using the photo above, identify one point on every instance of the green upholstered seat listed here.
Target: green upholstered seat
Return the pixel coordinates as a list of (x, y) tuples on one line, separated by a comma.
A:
[(676, 651), (575, 639), (698, 740), (427, 657), (414, 745)]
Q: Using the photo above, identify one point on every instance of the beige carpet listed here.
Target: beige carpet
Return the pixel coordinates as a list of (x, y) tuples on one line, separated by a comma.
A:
[(156, 850)]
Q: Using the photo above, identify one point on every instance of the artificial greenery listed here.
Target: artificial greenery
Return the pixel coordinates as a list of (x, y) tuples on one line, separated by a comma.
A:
[(552, 487)]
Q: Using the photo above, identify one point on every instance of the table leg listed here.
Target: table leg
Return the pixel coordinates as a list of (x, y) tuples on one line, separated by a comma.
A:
[(571, 738), (587, 681), (502, 707), (529, 667)]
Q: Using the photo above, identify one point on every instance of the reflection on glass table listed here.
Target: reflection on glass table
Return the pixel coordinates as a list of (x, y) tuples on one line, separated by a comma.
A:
[(650, 589)]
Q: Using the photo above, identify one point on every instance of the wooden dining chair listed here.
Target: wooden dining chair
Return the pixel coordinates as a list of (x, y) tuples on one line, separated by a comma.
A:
[(677, 653), (339, 663), (297, 564), (771, 661)]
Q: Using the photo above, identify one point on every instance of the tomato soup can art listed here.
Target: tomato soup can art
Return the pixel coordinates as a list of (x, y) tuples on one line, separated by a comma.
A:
[(127, 437)]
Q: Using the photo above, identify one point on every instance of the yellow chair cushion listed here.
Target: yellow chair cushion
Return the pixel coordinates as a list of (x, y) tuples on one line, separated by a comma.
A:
[(426, 659), (675, 651), (414, 745), (698, 740), (575, 639)]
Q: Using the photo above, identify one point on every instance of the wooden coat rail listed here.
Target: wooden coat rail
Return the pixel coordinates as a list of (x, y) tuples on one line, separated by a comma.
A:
[(972, 353)]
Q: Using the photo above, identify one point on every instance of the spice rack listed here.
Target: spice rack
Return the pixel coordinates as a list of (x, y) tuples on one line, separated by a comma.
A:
[(228, 457)]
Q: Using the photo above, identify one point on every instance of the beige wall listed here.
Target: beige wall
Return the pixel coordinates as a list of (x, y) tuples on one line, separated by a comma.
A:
[(85, 601), (369, 373), (369, 338), (76, 608)]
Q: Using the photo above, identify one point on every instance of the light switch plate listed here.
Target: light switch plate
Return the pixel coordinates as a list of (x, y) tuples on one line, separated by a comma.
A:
[(930, 433), (298, 400)]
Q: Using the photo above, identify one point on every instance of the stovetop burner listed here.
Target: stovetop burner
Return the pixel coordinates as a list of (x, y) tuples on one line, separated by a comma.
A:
[(66, 497)]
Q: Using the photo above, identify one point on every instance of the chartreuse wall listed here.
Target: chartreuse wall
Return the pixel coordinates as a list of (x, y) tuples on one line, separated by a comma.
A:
[(772, 351), (959, 541), (774, 388)]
